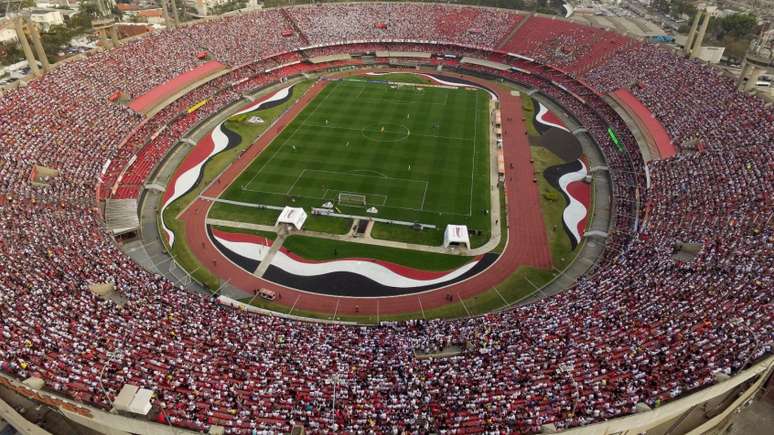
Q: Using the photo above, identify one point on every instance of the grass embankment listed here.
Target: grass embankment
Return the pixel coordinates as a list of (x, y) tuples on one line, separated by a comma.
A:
[(214, 167)]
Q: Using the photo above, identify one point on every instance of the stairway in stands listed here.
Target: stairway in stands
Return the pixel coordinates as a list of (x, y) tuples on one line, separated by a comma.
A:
[(593, 61), (293, 24), (513, 31)]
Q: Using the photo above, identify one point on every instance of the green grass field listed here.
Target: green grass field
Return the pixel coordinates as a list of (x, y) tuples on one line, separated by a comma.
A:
[(416, 155)]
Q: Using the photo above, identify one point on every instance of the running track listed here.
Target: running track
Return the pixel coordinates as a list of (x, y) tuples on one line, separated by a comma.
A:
[(527, 240)]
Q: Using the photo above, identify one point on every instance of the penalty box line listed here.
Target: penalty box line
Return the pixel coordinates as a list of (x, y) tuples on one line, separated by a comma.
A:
[(354, 173), (285, 142), (317, 198), (349, 174)]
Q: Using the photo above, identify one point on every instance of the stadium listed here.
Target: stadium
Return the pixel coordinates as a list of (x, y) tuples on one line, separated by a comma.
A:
[(385, 218)]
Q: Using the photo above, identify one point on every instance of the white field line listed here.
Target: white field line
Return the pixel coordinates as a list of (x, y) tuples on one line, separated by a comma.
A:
[(290, 189), (378, 174), (242, 204), (352, 173), (294, 304), (328, 197), (285, 142), (424, 196), (382, 204), (362, 88), (411, 84), (396, 101), (473, 168), (463, 304), (316, 198), (305, 124), (501, 296), (403, 85)]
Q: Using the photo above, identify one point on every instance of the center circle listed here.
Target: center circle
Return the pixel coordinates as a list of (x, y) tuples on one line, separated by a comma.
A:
[(386, 132)]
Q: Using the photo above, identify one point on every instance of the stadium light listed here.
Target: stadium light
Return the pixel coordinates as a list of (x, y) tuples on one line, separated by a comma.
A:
[(336, 379), (117, 353)]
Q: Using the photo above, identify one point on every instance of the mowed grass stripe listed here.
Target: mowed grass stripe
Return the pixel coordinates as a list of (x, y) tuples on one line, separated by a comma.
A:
[(374, 157), (282, 171), (276, 147), (429, 138)]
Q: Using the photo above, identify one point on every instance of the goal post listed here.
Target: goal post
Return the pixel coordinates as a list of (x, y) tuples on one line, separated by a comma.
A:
[(346, 198)]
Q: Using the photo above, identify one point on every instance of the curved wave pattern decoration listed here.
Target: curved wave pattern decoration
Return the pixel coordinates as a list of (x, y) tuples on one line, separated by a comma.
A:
[(384, 273), (568, 178), (547, 119), (189, 173), (361, 277), (346, 276), (245, 250)]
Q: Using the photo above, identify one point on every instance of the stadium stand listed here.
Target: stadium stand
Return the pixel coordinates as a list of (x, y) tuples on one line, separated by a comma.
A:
[(699, 107), (642, 328), (564, 44)]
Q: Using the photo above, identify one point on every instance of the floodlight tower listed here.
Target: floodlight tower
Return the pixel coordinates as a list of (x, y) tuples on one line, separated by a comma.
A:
[(105, 24), (23, 26), (758, 59), (696, 35), (20, 25), (104, 27), (26, 31)]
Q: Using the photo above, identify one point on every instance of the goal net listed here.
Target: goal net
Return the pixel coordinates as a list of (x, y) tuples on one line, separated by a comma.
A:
[(352, 199)]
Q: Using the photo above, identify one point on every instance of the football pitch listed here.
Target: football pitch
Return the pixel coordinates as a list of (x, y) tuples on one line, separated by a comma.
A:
[(415, 153)]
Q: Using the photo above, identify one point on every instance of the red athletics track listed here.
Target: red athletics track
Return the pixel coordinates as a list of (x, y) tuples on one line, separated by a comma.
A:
[(527, 239)]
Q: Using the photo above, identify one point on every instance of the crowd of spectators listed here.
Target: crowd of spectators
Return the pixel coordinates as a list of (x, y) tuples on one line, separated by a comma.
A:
[(643, 328), (54, 122), (699, 106), (153, 60), (330, 24), (243, 38)]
